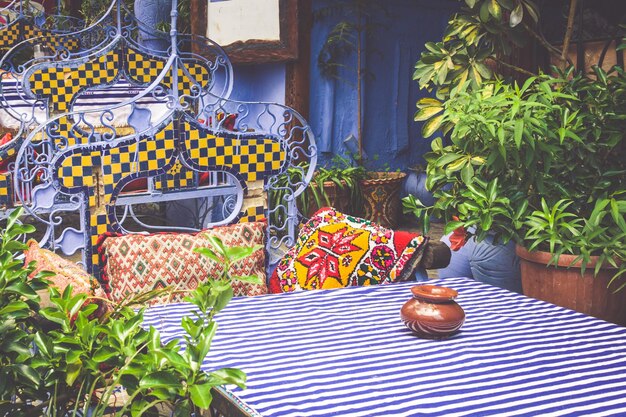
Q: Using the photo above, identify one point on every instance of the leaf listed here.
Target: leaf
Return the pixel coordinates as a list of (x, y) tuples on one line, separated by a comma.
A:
[(103, 354), (618, 217), (13, 218), (467, 173), (492, 190), (426, 113), (470, 3), (447, 158), (217, 245), (483, 70), (160, 379), (201, 395), (229, 376), (518, 132), (251, 279), (432, 126), (494, 9), (26, 373), (517, 14), (484, 11), (437, 144), (209, 254), (237, 253), (15, 306), (44, 344), (532, 10), (453, 225), (428, 102), (72, 373), (223, 298), (455, 166), (486, 220)]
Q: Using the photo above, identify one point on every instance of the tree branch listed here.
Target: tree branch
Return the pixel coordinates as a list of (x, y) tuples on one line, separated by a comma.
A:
[(569, 30), (549, 47), (515, 68)]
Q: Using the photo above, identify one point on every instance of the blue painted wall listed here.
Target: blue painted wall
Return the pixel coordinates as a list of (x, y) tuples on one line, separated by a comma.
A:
[(261, 82), (389, 93)]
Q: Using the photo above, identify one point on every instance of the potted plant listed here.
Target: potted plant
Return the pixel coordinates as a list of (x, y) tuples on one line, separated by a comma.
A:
[(541, 162), (381, 196), (334, 185), (63, 360)]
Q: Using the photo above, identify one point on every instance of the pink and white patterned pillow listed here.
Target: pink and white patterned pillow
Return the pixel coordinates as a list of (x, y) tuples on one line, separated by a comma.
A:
[(137, 263)]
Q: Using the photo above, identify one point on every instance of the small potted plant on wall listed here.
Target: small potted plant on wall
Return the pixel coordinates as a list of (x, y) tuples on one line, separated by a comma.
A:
[(541, 162), (335, 185)]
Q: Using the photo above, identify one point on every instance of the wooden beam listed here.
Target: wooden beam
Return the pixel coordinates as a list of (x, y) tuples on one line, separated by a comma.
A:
[(298, 72), (198, 12)]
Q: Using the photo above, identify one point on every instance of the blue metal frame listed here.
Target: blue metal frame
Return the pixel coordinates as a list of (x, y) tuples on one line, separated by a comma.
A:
[(78, 161)]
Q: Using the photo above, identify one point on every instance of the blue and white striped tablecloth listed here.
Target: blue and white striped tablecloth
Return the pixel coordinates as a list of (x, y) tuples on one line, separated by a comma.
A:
[(15, 98), (346, 353)]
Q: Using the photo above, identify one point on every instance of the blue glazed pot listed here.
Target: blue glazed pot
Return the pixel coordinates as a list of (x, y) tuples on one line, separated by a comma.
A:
[(492, 263), (415, 184), (151, 13)]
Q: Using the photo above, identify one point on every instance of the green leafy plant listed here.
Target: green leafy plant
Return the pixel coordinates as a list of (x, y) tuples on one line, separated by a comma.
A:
[(62, 361), (227, 256), (542, 163), (477, 47)]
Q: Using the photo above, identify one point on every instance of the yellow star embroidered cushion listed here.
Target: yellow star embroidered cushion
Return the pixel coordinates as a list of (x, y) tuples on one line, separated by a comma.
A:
[(335, 250)]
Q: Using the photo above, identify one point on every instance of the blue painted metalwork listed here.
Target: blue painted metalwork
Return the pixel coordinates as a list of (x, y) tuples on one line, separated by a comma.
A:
[(75, 158)]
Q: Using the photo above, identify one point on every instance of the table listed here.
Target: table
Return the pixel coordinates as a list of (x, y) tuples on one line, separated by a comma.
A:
[(346, 353)]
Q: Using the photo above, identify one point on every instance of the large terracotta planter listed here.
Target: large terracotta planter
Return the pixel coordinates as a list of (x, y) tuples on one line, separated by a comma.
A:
[(381, 195), (565, 286)]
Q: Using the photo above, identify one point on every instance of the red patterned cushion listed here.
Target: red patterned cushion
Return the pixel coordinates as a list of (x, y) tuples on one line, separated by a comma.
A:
[(137, 263), (67, 273), (336, 250)]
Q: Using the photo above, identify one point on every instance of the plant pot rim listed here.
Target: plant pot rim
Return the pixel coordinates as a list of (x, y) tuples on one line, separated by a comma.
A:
[(565, 260), (328, 183), (378, 177)]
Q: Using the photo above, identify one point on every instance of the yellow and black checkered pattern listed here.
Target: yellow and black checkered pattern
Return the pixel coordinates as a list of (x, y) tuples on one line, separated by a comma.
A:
[(24, 29), (98, 224), (117, 163), (61, 83), (144, 70), (62, 133), (198, 75), (5, 190), (10, 35), (150, 154), (252, 158), (77, 171), (53, 41), (253, 214), (177, 178), (11, 150)]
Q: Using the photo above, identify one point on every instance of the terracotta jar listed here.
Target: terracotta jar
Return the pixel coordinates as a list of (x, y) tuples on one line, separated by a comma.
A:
[(432, 312)]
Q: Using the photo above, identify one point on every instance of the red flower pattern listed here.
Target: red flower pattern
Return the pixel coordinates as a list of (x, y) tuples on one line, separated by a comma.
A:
[(323, 262)]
